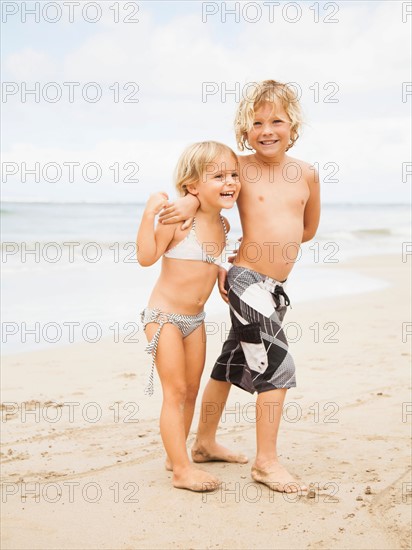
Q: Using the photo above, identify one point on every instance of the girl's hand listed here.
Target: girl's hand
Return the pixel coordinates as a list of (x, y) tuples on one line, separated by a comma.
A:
[(221, 279), (182, 210), (156, 202), (231, 258)]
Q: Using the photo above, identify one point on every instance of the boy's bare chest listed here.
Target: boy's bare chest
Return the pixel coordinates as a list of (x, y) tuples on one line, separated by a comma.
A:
[(279, 194)]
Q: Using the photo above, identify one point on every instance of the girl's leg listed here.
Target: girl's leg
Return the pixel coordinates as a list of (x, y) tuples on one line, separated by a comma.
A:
[(195, 355), (171, 366)]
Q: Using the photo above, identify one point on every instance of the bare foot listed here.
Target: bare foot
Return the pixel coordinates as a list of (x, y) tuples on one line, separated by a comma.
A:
[(215, 453), (168, 464), (194, 479), (277, 478)]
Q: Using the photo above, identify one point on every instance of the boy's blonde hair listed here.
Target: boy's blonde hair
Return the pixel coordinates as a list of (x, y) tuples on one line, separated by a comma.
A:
[(193, 161), (267, 91)]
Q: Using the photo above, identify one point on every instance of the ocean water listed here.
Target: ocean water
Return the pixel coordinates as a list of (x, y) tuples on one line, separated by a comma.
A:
[(69, 272)]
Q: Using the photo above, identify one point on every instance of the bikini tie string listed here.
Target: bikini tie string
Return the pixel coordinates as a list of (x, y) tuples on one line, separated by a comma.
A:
[(279, 291), (152, 349), (152, 345)]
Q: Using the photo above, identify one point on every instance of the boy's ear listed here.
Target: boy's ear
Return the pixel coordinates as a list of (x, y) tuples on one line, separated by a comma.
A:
[(192, 189)]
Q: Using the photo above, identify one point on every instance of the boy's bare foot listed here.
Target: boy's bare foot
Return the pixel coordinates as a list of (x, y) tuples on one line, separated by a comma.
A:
[(277, 478), (195, 480), (215, 453)]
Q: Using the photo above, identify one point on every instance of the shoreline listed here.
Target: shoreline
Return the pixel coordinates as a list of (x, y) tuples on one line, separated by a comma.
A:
[(216, 308), (344, 429)]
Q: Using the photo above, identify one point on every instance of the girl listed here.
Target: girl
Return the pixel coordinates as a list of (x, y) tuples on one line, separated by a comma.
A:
[(174, 318)]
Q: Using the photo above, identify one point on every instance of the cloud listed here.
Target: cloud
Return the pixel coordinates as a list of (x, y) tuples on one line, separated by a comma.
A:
[(29, 64), (119, 164), (366, 54)]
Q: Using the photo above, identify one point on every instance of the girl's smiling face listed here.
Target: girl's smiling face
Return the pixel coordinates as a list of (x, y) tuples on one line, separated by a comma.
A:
[(219, 185), (270, 133)]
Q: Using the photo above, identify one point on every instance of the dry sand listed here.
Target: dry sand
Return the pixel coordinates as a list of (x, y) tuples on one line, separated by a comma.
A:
[(83, 460)]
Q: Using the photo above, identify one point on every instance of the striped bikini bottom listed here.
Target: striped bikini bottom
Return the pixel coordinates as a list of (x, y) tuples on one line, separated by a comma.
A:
[(185, 323)]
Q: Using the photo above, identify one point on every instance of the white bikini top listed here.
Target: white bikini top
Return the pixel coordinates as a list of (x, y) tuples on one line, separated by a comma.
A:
[(190, 248)]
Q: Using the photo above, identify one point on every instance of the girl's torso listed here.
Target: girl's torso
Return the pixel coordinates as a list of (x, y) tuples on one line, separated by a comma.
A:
[(189, 268)]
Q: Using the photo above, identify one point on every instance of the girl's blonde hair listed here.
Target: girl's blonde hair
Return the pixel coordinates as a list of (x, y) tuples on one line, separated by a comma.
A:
[(267, 91), (194, 160)]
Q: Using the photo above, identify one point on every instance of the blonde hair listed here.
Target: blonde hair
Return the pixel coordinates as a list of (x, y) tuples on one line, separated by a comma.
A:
[(193, 161), (267, 91)]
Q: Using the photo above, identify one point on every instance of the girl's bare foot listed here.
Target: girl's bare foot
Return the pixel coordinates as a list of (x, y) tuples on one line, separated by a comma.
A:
[(214, 452), (194, 479), (277, 478), (168, 464)]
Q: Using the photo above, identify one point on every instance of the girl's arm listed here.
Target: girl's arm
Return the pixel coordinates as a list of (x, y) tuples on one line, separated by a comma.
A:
[(221, 280), (183, 209), (222, 273), (151, 243)]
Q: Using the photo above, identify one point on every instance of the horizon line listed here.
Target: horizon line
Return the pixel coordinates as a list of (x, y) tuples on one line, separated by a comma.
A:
[(346, 203)]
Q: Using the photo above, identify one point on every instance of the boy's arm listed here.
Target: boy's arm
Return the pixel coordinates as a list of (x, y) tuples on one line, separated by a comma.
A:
[(181, 210), (151, 243), (311, 215)]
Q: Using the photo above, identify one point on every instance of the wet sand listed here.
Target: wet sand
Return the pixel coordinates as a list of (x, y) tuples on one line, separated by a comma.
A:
[(83, 460)]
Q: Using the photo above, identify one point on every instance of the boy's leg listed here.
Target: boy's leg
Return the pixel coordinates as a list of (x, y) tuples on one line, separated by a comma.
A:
[(267, 468), (205, 447), (255, 357)]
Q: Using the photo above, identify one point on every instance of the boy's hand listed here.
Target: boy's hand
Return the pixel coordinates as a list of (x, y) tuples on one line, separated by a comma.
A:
[(182, 210), (156, 202), (221, 279)]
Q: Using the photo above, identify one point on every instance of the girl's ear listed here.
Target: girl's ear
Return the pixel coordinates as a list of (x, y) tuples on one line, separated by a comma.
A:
[(191, 188)]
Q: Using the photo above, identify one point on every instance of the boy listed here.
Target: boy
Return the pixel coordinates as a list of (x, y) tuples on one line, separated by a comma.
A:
[(279, 207)]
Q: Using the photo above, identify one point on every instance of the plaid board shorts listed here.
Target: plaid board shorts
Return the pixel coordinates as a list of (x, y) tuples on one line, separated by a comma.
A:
[(255, 356)]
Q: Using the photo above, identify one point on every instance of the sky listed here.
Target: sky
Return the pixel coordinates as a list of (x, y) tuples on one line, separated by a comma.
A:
[(120, 88)]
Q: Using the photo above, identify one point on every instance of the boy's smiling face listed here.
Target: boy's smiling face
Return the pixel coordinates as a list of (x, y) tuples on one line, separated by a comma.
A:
[(270, 133)]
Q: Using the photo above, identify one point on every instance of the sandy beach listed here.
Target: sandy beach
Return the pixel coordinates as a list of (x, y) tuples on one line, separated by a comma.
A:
[(83, 459)]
